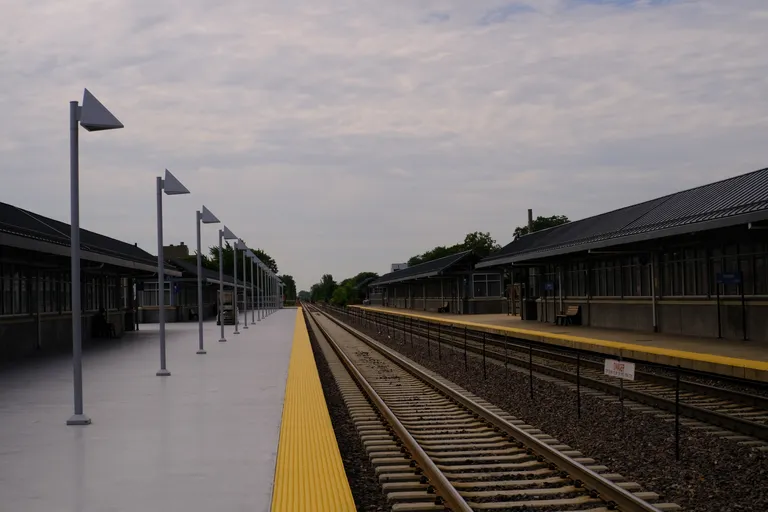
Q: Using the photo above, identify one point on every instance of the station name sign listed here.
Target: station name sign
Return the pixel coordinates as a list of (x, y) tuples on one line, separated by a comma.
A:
[(620, 369)]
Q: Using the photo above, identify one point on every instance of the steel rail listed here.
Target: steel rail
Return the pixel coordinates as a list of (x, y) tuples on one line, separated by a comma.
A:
[(607, 490), (734, 423), (437, 479)]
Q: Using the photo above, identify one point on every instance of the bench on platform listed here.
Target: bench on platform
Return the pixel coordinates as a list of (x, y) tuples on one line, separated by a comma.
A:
[(444, 308), (569, 316)]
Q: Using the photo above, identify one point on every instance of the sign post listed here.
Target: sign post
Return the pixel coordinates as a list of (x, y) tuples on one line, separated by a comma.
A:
[(622, 370)]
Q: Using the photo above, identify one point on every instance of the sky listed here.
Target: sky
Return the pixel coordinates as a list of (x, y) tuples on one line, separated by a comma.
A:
[(343, 136)]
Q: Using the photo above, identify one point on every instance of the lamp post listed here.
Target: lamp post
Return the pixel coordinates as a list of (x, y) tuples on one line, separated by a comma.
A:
[(204, 217), (252, 256), (234, 264), (244, 249), (92, 116), (260, 276), (172, 187), (224, 234)]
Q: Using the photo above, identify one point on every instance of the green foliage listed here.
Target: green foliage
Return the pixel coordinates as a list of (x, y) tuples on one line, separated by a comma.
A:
[(349, 291), (228, 253), (304, 295), (290, 287), (323, 291), (540, 223), (481, 243)]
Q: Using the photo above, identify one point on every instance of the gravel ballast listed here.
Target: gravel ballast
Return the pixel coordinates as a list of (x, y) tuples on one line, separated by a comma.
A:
[(365, 487), (714, 475)]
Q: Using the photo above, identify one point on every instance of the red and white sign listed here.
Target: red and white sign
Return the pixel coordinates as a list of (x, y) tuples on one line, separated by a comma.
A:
[(620, 369)]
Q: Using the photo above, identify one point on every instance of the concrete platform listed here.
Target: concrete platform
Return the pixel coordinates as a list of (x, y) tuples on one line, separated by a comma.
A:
[(202, 439), (737, 358)]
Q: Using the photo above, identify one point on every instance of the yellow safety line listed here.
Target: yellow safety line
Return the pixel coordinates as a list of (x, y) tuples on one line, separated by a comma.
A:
[(543, 336), (309, 473)]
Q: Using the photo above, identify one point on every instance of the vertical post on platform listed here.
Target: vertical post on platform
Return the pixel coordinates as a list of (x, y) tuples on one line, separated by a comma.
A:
[(677, 415)]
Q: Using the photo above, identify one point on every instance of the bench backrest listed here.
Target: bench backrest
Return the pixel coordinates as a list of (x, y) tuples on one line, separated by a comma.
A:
[(445, 304), (572, 310)]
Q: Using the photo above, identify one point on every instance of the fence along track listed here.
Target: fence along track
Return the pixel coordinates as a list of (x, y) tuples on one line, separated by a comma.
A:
[(738, 412), (493, 461)]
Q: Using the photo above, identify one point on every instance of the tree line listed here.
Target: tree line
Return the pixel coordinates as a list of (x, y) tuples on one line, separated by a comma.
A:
[(353, 290), (211, 262)]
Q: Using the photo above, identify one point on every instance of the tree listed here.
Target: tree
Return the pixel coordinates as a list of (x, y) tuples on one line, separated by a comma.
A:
[(482, 243), (304, 295), (540, 223), (290, 287), (323, 291), (229, 255), (349, 291)]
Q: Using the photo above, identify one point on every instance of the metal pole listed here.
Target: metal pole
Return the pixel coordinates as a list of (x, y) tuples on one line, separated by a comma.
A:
[(201, 349), (465, 347), (253, 297), (245, 293), (485, 374), (677, 415), (505, 353), (530, 366), (578, 385), (79, 418), (743, 306), (234, 301), (163, 371), (221, 285), (259, 291)]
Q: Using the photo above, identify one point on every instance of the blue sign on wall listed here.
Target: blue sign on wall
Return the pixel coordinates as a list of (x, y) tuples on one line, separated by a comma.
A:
[(729, 278)]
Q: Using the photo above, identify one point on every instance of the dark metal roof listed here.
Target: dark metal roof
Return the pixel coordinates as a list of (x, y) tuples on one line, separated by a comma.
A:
[(422, 270), (20, 222), (724, 203)]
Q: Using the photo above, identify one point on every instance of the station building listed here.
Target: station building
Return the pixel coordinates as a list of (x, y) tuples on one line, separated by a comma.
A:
[(446, 284), (180, 294), (35, 283), (694, 263)]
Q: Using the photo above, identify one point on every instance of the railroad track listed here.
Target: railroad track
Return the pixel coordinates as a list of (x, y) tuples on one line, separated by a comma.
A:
[(743, 415), (436, 446)]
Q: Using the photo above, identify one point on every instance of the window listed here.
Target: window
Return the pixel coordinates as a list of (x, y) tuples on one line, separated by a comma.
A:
[(486, 285)]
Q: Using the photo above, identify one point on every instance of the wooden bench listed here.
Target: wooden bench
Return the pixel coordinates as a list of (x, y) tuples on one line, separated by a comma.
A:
[(568, 317), (444, 308)]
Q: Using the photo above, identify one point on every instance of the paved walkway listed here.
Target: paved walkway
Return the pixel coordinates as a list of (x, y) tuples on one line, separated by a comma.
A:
[(203, 439)]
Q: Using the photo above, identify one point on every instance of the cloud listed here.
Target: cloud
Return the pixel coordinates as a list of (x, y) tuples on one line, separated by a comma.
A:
[(342, 136)]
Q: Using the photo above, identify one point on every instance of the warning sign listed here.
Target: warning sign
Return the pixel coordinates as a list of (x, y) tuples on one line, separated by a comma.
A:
[(620, 369)]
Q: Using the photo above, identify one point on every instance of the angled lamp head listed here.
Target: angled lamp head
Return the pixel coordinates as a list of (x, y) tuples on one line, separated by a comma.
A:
[(227, 234), (95, 117), (206, 217), (172, 186)]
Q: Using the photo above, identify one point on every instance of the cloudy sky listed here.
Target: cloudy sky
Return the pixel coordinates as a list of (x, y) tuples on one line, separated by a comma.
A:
[(342, 136)]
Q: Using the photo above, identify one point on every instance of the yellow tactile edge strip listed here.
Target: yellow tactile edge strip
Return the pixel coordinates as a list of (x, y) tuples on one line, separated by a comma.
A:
[(309, 473), (744, 368)]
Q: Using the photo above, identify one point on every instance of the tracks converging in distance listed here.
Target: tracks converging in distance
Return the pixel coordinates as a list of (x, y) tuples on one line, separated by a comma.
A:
[(436, 446)]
